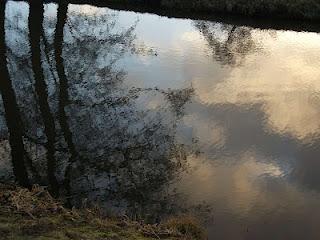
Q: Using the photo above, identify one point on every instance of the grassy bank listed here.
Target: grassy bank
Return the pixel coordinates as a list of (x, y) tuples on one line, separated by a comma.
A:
[(298, 9), (284, 9), (36, 215)]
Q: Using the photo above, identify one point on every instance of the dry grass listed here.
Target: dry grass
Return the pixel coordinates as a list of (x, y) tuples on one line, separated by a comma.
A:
[(187, 226), (34, 214), (35, 202)]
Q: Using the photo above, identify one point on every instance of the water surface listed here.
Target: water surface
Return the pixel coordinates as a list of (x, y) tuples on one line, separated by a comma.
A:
[(156, 116)]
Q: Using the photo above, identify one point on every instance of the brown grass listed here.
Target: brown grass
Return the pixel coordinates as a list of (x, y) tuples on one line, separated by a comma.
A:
[(35, 202), (34, 214)]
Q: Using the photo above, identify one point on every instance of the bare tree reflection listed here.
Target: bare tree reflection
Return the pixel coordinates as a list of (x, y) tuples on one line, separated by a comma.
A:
[(127, 149), (35, 31), (11, 108), (107, 140), (63, 89), (230, 44)]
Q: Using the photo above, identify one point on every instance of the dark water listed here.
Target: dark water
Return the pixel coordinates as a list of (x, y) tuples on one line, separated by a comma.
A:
[(152, 116)]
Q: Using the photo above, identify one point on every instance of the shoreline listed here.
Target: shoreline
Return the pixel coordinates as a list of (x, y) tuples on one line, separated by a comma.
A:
[(34, 214), (264, 23), (280, 9), (276, 20)]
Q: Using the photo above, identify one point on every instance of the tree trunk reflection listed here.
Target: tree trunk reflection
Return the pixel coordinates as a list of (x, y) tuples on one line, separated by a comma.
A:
[(35, 32), (12, 114)]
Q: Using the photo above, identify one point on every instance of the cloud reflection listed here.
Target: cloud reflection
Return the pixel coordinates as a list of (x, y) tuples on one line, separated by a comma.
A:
[(284, 82)]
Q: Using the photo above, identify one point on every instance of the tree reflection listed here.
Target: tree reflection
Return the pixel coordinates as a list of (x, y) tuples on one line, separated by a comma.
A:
[(230, 44), (101, 138), (132, 153), (63, 89), (35, 32), (11, 108)]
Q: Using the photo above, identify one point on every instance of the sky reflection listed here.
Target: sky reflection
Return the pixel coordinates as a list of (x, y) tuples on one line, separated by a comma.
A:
[(250, 107)]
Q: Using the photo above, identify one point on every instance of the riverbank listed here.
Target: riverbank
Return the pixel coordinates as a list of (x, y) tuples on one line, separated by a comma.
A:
[(266, 9), (290, 9), (294, 17), (281, 18), (36, 215), (283, 9)]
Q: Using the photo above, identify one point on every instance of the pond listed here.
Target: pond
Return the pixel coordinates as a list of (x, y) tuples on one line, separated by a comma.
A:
[(152, 116)]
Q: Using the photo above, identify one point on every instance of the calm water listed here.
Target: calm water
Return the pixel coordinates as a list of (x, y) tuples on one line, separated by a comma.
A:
[(152, 116)]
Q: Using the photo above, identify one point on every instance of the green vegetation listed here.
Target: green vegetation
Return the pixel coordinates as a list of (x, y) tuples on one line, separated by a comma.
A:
[(288, 9), (36, 215)]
